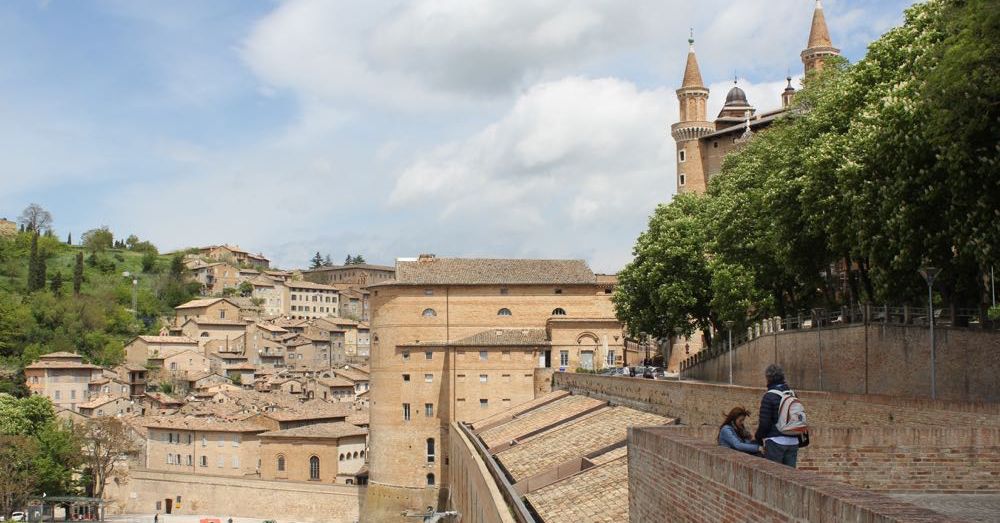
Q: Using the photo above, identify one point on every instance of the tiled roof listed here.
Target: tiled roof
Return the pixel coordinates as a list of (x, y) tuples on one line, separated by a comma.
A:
[(302, 284), (206, 424), (573, 439), (497, 337), (338, 429), (519, 409), (60, 355), (359, 418), (270, 328), (98, 401), (351, 374), (169, 339), (480, 271), (335, 382), (59, 363), (163, 398), (214, 321), (204, 302), (539, 418), (352, 266), (596, 495)]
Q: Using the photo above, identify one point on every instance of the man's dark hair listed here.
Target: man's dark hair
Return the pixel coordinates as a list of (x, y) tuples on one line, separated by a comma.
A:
[(774, 374)]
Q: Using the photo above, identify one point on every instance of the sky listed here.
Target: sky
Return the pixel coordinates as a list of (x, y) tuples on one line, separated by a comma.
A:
[(486, 128)]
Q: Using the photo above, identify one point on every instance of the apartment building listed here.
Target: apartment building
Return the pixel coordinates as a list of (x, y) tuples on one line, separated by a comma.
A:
[(271, 294), (206, 309), (311, 300), (218, 447), (141, 348), (217, 277), (462, 339), (63, 378), (325, 452)]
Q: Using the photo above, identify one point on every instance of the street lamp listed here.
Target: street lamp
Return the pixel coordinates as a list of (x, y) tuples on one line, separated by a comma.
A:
[(729, 327), (135, 291), (929, 273)]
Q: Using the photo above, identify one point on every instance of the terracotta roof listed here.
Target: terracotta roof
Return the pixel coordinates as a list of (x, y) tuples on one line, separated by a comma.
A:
[(497, 337), (99, 401), (213, 321), (596, 495), (368, 266), (575, 438), (544, 416), (518, 410), (205, 424), (270, 328), (481, 271), (168, 339), (60, 355), (338, 429), (335, 382), (351, 374), (242, 366), (362, 417), (59, 363), (132, 367), (204, 302), (302, 284), (163, 398)]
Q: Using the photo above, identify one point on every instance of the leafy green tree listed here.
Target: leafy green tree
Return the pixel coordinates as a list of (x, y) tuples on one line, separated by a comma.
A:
[(149, 259), (177, 266), (18, 477), (69, 239), (327, 262), (35, 219), (359, 259), (98, 240), (246, 289), (105, 441), (33, 264)]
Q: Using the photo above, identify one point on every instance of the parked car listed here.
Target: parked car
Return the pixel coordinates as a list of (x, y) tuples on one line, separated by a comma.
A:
[(16, 516)]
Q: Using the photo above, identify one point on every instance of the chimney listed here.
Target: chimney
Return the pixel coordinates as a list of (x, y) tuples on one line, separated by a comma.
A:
[(425, 257)]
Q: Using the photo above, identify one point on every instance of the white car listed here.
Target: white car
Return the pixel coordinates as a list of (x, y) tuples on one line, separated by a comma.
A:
[(16, 516)]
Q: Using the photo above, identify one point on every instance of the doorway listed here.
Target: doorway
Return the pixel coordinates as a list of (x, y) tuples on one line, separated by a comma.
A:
[(587, 359), (169, 505)]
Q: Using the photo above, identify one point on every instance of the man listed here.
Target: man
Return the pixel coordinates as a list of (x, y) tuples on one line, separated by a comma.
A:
[(777, 446)]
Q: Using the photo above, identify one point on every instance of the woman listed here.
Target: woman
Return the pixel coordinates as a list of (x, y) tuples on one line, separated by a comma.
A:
[(733, 432)]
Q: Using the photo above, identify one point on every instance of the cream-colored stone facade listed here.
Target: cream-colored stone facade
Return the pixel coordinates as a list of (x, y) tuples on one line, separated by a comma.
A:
[(206, 309), (211, 448), (217, 277), (63, 378), (447, 352), (139, 350), (307, 454), (311, 300)]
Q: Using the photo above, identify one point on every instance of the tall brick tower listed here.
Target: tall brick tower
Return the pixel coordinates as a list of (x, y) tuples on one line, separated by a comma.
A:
[(693, 124), (820, 47)]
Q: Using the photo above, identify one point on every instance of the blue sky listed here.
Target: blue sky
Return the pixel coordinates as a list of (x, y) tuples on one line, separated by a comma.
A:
[(515, 128)]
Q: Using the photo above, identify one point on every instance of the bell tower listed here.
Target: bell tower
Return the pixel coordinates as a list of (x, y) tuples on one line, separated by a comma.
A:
[(820, 47), (692, 125)]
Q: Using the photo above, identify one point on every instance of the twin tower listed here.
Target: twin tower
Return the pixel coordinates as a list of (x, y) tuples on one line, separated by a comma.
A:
[(703, 144)]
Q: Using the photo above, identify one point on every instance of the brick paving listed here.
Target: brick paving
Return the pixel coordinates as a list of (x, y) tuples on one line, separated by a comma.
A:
[(968, 507)]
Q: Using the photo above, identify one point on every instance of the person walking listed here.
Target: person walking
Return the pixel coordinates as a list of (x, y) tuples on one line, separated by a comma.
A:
[(734, 434), (156, 518), (778, 447)]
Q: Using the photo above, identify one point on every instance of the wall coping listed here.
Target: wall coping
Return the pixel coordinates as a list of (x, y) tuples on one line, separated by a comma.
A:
[(496, 496), (566, 381), (801, 495), (283, 485)]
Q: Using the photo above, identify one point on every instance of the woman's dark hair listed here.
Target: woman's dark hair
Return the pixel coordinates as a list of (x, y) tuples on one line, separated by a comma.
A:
[(742, 432)]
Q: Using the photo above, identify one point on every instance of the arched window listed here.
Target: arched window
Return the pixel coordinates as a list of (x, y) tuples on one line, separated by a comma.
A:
[(204, 335), (362, 454), (428, 313), (355, 455), (430, 480), (341, 456), (281, 463), (559, 311), (314, 468), (504, 312)]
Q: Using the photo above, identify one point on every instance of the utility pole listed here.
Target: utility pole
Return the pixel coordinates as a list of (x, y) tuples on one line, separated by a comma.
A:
[(729, 327), (929, 273)]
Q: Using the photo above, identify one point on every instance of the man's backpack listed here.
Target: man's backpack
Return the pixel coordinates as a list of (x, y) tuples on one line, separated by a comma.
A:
[(791, 414)]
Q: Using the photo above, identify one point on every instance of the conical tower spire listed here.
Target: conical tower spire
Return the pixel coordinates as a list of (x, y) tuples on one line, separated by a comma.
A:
[(692, 73), (820, 46)]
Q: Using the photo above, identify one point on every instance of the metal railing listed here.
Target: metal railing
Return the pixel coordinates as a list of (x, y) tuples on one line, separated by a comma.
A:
[(822, 318)]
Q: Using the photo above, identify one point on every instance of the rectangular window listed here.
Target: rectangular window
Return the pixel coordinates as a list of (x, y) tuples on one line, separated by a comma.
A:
[(406, 377), (170, 437), (431, 454), (236, 462), (204, 461), (406, 412), (221, 441), (564, 358), (428, 409), (483, 378), (190, 460), (222, 314), (483, 355), (483, 403), (406, 355), (57, 394), (189, 438), (611, 357), (220, 462), (72, 394), (682, 156), (170, 459), (428, 378), (429, 355), (680, 179), (204, 440), (236, 440)]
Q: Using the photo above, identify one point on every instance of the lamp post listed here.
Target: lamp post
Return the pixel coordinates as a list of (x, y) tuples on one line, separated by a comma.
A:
[(729, 327), (929, 273), (817, 318), (135, 291)]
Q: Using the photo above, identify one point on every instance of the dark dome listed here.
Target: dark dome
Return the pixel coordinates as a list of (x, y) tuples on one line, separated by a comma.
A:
[(736, 96)]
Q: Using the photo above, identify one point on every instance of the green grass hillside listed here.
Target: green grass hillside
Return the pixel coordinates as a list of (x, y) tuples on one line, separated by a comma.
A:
[(98, 321)]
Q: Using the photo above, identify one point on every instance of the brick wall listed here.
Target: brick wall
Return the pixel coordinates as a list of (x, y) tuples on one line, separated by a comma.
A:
[(697, 403), (932, 459), (474, 494), (874, 359), (709, 483)]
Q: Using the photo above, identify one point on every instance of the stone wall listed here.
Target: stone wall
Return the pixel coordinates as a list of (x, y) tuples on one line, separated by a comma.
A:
[(474, 494), (874, 359), (697, 403), (710, 483), (236, 497)]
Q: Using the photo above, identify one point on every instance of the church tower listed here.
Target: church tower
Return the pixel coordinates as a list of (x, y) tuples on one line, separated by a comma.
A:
[(693, 124), (820, 47), (788, 95)]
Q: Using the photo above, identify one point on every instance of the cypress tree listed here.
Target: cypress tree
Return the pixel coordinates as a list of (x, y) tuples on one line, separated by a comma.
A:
[(56, 284), (33, 264), (78, 273), (40, 272), (69, 239)]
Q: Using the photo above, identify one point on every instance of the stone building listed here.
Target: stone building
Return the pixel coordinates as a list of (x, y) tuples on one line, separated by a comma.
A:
[(7, 227), (362, 274), (217, 277), (311, 300), (218, 447), (235, 255), (324, 452), (206, 309), (703, 144), (461, 339), (140, 349), (63, 378)]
